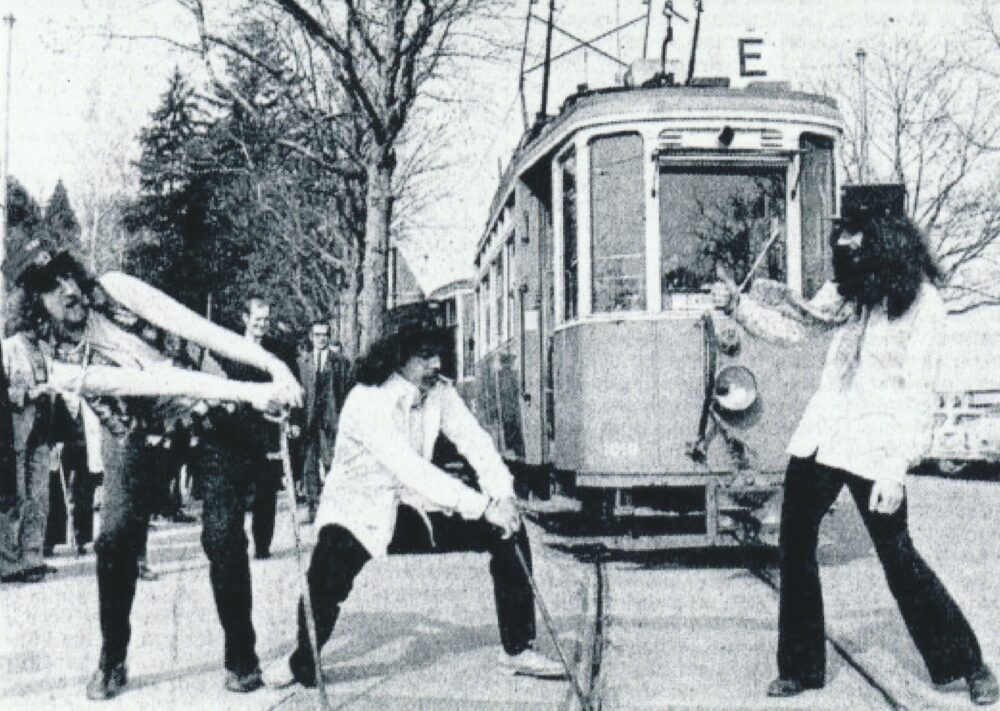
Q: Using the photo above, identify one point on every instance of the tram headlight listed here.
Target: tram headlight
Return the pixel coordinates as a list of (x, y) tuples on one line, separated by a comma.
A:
[(735, 389)]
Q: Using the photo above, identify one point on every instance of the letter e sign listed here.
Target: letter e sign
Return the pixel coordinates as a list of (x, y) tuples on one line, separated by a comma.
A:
[(750, 50)]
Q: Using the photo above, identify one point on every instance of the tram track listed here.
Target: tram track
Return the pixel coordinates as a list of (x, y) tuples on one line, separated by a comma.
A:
[(767, 578), (592, 645)]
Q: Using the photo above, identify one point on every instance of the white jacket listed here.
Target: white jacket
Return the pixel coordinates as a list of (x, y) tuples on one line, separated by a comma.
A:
[(379, 462), (874, 409)]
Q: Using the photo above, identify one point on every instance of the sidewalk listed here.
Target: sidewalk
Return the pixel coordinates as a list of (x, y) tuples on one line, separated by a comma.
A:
[(418, 632)]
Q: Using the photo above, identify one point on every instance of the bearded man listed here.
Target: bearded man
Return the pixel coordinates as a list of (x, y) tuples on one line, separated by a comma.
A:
[(868, 422), (77, 336)]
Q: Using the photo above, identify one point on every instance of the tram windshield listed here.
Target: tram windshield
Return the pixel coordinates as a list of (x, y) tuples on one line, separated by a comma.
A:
[(718, 215)]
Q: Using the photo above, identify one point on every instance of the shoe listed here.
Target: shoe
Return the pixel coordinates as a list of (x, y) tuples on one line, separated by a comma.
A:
[(279, 675), (34, 575), (781, 688), (107, 684), (181, 517), (48, 551), (81, 549), (147, 573), (262, 555), (983, 689), (531, 663), (244, 683)]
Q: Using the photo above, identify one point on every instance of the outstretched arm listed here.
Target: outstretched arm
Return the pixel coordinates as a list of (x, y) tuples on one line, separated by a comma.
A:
[(159, 381), (772, 312), (161, 310)]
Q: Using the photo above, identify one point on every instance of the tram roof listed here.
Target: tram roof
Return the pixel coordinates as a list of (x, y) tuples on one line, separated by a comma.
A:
[(638, 104), (451, 288)]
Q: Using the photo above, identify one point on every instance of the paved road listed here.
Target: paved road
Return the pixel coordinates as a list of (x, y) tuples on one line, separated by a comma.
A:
[(682, 631)]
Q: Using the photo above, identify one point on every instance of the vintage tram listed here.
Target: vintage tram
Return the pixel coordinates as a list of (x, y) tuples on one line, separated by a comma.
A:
[(601, 370)]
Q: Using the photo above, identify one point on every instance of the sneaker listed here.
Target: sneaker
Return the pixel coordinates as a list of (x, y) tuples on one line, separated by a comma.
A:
[(244, 683), (983, 689), (279, 674), (531, 663), (107, 684)]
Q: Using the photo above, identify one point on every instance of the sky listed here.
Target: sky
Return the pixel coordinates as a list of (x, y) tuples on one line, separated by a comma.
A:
[(85, 74)]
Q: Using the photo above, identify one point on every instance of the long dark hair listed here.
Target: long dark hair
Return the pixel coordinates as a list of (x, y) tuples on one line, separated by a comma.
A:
[(392, 352), (25, 311), (895, 259)]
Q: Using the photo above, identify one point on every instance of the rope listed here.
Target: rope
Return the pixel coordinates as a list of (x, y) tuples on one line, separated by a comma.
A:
[(584, 701), (323, 703)]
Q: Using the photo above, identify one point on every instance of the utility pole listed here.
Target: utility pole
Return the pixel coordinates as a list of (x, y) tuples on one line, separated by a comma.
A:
[(9, 21), (861, 56)]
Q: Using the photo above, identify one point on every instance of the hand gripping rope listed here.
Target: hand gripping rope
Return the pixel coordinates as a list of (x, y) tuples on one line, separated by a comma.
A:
[(286, 465)]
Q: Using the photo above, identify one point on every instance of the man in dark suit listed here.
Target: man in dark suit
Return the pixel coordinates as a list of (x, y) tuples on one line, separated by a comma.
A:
[(325, 376), (256, 451)]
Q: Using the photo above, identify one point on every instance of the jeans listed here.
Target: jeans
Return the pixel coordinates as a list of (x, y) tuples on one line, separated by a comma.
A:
[(939, 629), (125, 510), (225, 488), (128, 499), (339, 557)]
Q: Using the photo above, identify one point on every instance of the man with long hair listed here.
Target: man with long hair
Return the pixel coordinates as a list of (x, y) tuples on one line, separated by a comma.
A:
[(868, 422), (77, 334), (381, 478)]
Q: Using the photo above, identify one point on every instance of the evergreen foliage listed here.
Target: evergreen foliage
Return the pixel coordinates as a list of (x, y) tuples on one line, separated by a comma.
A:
[(60, 221)]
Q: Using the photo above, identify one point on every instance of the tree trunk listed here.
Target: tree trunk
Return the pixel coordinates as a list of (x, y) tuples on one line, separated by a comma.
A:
[(373, 297)]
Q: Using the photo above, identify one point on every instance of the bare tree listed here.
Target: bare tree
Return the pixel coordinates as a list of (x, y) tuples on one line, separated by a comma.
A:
[(926, 120), (382, 54)]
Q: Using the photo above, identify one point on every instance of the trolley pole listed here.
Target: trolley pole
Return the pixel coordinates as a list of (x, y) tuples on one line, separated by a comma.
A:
[(9, 21), (861, 56)]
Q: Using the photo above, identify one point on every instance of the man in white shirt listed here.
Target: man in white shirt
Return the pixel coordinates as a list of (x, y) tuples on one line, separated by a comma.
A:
[(867, 423), (381, 467)]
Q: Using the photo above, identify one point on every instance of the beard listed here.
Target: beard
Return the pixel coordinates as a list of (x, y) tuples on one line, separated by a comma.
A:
[(856, 276)]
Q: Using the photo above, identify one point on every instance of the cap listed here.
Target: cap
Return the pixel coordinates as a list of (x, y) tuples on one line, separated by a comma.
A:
[(25, 250)]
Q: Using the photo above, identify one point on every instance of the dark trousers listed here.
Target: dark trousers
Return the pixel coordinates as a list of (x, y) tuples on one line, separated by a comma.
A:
[(941, 633), (224, 490), (317, 450), (339, 557), (125, 511), (81, 483), (80, 495), (266, 483), (128, 499)]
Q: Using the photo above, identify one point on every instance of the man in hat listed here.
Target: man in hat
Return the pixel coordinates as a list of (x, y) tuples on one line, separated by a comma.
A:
[(76, 335), (382, 475), (868, 422)]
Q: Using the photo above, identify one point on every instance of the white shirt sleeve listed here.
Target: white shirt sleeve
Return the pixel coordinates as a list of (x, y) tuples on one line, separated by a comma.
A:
[(463, 429), (368, 418), (784, 318)]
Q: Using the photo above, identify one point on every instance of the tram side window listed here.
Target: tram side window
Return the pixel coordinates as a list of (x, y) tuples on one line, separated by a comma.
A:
[(721, 216), (468, 337), (618, 219), (568, 167), (816, 186), (498, 296), (484, 309)]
